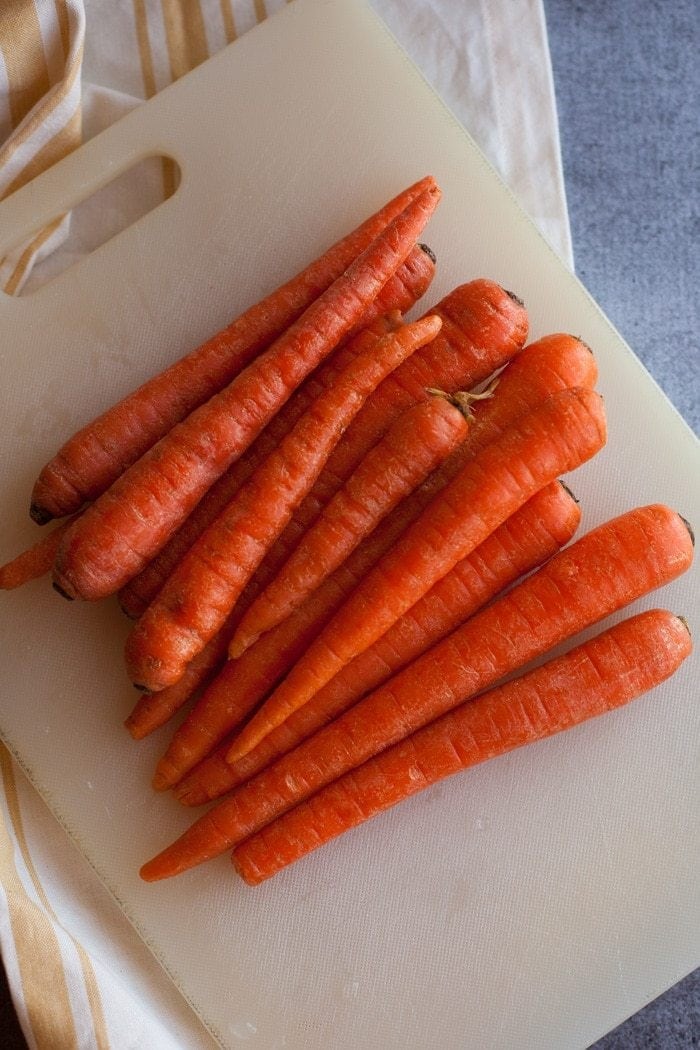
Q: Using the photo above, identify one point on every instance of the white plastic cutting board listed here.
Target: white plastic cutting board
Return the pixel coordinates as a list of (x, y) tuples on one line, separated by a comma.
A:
[(532, 903)]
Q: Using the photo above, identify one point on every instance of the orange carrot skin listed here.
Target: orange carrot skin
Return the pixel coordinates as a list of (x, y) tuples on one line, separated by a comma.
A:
[(34, 562), (242, 684), (397, 296), (603, 674), (556, 437), (542, 368), (127, 525), (200, 594), (598, 574), (483, 327), (527, 539), (138, 594), (411, 449), (153, 710), (554, 362), (96, 456)]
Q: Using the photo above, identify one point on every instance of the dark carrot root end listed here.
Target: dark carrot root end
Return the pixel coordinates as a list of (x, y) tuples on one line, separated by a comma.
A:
[(39, 515), (64, 594), (141, 688), (567, 489), (429, 252), (583, 342), (685, 623), (514, 297), (691, 533)]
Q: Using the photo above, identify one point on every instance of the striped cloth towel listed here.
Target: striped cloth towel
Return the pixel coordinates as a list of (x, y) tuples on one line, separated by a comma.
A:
[(79, 976)]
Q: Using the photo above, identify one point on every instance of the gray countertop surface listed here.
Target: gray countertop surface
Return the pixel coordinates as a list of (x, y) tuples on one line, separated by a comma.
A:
[(627, 83)]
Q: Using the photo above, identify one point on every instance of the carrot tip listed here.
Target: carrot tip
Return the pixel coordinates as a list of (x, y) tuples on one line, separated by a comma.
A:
[(567, 489), (684, 621), (238, 646), (583, 343), (133, 729), (64, 594), (514, 297), (39, 514), (689, 527), (428, 251)]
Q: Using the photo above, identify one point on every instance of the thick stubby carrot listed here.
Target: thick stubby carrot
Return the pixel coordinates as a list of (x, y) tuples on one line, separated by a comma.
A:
[(554, 362), (524, 541), (556, 437), (96, 456), (602, 674), (598, 574), (483, 326), (417, 442), (34, 562), (138, 594), (127, 525), (195, 602), (542, 368)]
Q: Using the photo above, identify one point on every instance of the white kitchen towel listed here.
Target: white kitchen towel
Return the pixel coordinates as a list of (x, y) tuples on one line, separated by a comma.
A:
[(80, 977)]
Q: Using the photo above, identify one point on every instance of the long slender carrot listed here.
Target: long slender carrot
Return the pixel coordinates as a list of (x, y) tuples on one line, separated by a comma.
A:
[(483, 327), (138, 593), (554, 438), (410, 450), (598, 574), (195, 602), (551, 364), (36, 561), (95, 457), (524, 541), (602, 674), (119, 533)]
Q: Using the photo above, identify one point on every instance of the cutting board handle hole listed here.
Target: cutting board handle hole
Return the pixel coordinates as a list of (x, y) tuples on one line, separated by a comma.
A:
[(91, 222)]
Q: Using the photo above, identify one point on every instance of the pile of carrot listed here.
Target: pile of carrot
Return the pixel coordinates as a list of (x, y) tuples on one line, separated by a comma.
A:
[(339, 534)]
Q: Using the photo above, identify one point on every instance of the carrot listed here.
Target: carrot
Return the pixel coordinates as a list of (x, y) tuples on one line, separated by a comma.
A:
[(200, 594), (549, 365), (129, 523), (483, 327), (96, 456), (604, 673), (152, 710), (598, 574), (410, 450), (242, 684), (556, 437), (138, 593), (34, 562), (528, 538)]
